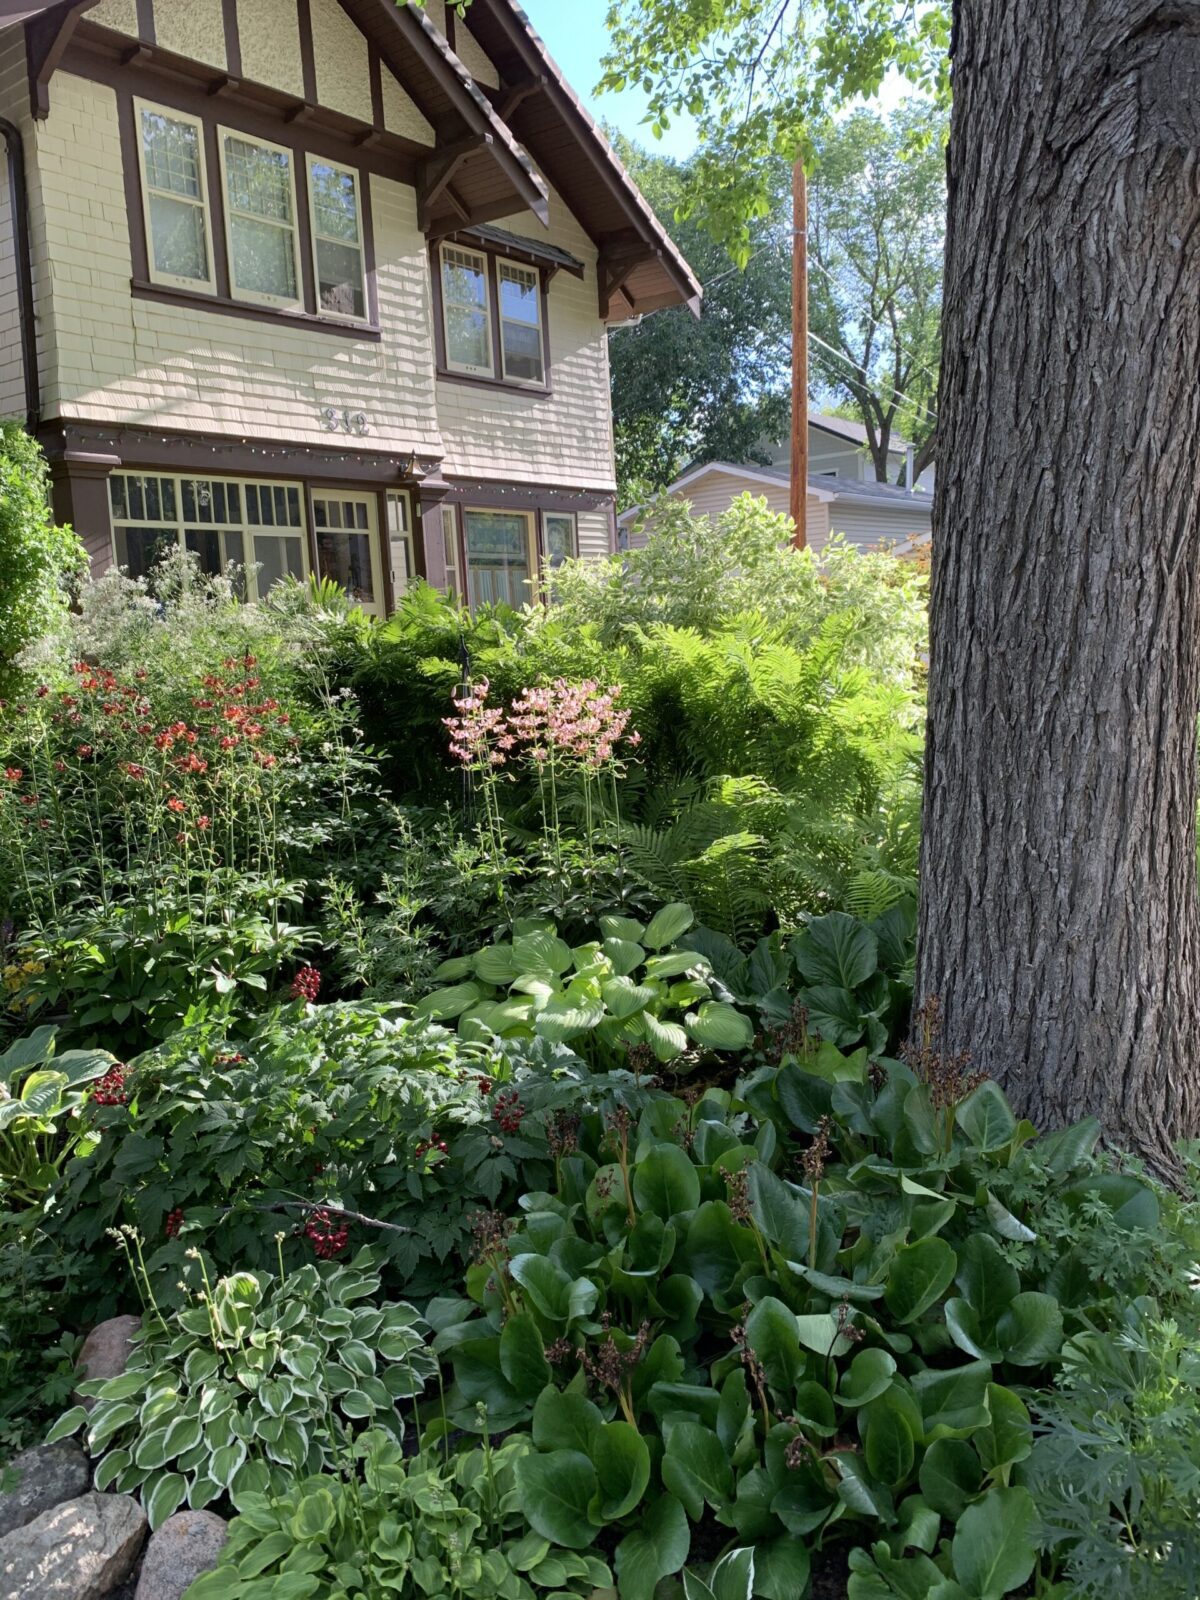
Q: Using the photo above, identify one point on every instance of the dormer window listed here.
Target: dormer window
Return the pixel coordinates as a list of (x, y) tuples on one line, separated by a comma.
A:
[(175, 198), (492, 320)]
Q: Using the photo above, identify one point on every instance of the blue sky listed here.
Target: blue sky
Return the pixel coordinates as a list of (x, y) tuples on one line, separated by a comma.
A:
[(577, 38)]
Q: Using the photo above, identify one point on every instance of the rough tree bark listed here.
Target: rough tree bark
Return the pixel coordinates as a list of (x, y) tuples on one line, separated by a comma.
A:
[(1059, 918)]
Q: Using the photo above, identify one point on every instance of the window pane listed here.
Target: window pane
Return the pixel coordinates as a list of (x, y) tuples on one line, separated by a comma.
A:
[(172, 154), (139, 550), (178, 238), (278, 557), (206, 544), (234, 548), (497, 558), (263, 258), (560, 539), (346, 558), (260, 181), (335, 203), (467, 337), (464, 282), (520, 295), (522, 351), (340, 279)]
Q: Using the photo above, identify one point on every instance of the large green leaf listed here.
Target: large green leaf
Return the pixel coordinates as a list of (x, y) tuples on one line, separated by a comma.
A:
[(1008, 1438), (771, 1334), (834, 1013), (781, 1569), (668, 926), (624, 954), (779, 1209), (994, 1547), (555, 1491), (718, 1026), (1030, 1330), (656, 1548), (696, 1468), (28, 1052), (523, 1357), (624, 998), (888, 1445), (546, 1284), (541, 953), (919, 1274), (666, 1039), (666, 1182), (953, 1399), (984, 1116), (836, 949), (445, 1004), (565, 1421), (868, 1376), (563, 1018), (988, 1282), (622, 1461), (950, 1476)]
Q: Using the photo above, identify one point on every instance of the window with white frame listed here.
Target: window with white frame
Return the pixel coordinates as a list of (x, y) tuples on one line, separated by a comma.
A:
[(558, 537), (347, 551), (174, 197), (520, 295), (449, 519), (500, 567), (466, 311), (400, 543), (258, 527), (260, 217), (338, 254)]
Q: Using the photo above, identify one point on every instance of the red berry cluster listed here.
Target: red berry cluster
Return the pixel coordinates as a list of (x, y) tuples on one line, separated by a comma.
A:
[(306, 985), (328, 1235), (110, 1091), (439, 1145), (485, 1086), (174, 1223), (508, 1111)]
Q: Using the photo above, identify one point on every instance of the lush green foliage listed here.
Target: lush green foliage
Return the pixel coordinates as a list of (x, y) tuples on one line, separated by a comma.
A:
[(429, 1525), (256, 1379), (39, 560)]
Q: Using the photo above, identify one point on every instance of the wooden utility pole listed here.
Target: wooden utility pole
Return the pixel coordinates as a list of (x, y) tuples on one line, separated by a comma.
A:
[(800, 355)]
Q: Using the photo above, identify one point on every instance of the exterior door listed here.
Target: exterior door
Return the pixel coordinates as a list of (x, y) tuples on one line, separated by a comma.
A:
[(345, 528), (400, 542), (500, 557)]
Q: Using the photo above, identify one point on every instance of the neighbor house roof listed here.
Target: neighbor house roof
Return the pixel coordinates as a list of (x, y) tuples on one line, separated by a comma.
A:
[(823, 487), (854, 432)]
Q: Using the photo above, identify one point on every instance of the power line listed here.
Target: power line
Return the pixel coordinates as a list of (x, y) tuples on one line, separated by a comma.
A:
[(899, 393)]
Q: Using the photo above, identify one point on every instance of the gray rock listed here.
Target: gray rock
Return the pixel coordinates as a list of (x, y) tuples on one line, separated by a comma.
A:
[(49, 1474), (80, 1550), (186, 1545), (106, 1351)]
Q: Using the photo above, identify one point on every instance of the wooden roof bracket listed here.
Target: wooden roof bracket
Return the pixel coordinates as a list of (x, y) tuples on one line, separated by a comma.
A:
[(437, 174), (613, 270), (46, 39)]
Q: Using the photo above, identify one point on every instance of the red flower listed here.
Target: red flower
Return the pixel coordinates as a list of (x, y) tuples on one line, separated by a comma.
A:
[(306, 985), (203, 823), (228, 742), (176, 804), (13, 774), (84, 751), (42, 691), (132, 770)]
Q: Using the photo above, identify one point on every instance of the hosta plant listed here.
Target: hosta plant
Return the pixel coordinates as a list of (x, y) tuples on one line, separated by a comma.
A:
[(252, 1383), (632, 989), (423, 1526), (805, 1312)]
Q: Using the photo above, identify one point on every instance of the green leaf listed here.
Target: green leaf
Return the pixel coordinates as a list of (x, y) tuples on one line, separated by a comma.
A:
[(833, 1013), (445, 1004), (666, 1182), (987, 1280), (626, 956), (71, 1421), (771, 1334), (315, 1516), (984, 1116), (779, 1209), (614, 927), (540, 953), (1030, 1331), (624, 998), (562, 1018), (919, 1274), (494, 964), (622, 1462), (836, 949), (994, 1549), (954, 1399), (666, 1039), (950, 1476), (555, 1492), (164, 1499), (565, 1421), (668, 925), (868, 1376), (718, 1026), (546, 1284), (781, 1569), (1008, 1438), (657, 1548), (888, 1446), (696, 1468), (523, 1356)]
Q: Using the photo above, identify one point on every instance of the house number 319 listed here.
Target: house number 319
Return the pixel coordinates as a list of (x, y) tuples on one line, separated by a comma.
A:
[(335, 421)]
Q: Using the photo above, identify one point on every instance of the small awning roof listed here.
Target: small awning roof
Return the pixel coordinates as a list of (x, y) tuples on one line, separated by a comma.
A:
[(517, 245)]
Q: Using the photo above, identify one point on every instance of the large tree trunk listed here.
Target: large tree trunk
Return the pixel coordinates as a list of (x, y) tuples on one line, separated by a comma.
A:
[(1059, 895)]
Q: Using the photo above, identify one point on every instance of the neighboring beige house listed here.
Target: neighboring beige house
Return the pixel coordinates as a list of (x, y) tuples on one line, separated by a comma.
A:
[(867, 515), (320, 286), (837, 447)]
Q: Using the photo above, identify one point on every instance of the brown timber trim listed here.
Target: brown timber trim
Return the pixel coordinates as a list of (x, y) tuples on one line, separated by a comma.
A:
[(79, 496), (493, 253), (308, 60), (233, 37), (226, 455), (225, 305), (375, 68), (480, 495), (145, 21)]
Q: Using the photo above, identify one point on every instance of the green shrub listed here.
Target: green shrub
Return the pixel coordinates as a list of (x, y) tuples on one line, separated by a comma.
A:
[(40, 561), (257, 1379)]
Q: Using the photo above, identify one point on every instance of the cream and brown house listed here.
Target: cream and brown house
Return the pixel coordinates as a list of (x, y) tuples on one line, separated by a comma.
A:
[(317, 286)]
